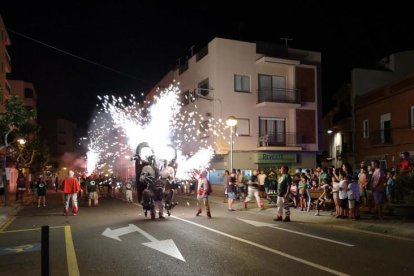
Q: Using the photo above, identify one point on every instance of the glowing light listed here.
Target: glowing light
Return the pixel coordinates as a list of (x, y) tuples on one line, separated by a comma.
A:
[(122, 123)]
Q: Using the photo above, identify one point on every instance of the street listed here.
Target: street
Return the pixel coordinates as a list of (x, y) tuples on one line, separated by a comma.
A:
[(116, 238)]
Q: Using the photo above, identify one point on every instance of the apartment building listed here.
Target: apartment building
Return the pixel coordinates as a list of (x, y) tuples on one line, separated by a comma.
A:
[(384, 120), (5, 65), (273, 91), (25, 91), (342, 143)]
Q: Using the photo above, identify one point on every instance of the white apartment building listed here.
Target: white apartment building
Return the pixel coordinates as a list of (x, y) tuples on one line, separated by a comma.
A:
[(273, 91)]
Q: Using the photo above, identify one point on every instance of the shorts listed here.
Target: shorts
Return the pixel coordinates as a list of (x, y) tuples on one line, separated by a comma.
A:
[(231, 195), (351, 203), (93, 195)]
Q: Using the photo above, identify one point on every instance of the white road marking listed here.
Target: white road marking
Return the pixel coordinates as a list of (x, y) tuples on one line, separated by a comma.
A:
[(165, 246), (264, 224), (298, 259)]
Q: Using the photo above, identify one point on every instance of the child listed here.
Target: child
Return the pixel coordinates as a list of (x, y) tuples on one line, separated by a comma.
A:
[(389, 186), (128, 191), (353, 197)]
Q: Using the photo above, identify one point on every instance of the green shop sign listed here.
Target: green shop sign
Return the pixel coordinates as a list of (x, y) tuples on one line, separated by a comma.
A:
[(276, 157)]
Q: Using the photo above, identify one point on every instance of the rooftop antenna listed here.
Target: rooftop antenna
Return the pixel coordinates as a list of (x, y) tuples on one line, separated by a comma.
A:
[(286, 39)]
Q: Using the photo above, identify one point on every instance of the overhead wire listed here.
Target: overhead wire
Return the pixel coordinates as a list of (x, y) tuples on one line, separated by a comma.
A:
[(76, 56)]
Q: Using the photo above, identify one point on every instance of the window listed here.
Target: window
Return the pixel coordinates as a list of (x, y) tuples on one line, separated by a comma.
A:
[(386, 128), (365, 129), (274, 129), (412, 117), (241, 83), (28, 93), (203, 88), (273, 89), (243, 127)]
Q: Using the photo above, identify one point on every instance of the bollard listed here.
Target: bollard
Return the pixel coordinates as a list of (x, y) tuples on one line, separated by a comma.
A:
[(45, 250)]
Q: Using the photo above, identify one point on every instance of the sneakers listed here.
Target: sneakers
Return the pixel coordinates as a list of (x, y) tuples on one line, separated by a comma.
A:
[(287, 219), (198, 212)]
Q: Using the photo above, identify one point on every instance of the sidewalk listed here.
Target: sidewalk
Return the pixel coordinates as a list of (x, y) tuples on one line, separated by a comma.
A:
[(390, 225), (12, 207)]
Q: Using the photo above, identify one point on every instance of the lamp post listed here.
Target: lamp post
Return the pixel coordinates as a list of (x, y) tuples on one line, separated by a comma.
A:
[(231, 122)]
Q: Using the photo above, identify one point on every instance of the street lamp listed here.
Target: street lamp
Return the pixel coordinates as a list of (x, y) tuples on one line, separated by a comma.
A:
[(231, 122)]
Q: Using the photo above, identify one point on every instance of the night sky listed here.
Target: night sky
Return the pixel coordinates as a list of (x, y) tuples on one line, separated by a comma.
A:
[(143, 41)]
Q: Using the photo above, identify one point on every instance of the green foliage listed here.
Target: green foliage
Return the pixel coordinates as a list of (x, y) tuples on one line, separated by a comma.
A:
[(404, 188), (16, 114)]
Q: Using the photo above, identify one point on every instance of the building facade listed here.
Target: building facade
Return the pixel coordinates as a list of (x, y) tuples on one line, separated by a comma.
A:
[(384, 120), (273, 91), (26, 92), (5, 65), (342, 144)]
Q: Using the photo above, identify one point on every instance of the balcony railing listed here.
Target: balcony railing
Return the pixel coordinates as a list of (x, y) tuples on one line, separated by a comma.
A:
[(380, 137), (279, 95), (279, 139)]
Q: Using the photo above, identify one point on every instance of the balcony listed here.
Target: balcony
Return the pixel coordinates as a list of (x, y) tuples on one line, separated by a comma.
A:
[(279, 139), (380, 137), (279, 95)]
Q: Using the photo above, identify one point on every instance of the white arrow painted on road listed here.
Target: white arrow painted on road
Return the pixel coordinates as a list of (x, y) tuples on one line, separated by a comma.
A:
[(114, 234), (264, 224), (165, 246)]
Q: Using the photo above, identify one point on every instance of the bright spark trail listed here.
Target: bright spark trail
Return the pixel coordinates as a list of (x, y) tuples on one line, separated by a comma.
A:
[(122, 124)]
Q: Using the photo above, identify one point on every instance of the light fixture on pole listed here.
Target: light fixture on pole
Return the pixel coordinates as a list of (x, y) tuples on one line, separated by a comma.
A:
[(231, 122)]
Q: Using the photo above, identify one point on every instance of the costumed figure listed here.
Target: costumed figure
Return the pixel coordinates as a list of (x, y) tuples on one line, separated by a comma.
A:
[(168, 190), (149, 176)]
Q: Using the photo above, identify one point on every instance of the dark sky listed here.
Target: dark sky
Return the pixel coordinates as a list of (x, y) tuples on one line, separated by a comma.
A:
[(143, 42)]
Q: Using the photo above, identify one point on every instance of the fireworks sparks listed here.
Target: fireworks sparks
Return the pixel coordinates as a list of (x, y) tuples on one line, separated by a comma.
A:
[(122, 123)]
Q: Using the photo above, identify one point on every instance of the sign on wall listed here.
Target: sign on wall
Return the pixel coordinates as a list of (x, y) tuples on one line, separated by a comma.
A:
[(276, 157)]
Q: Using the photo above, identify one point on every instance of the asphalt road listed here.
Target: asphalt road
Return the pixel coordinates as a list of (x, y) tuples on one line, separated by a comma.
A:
[(117, 239)]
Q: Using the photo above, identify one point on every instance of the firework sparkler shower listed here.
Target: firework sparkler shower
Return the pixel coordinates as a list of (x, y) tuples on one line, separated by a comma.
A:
[(122, 123)]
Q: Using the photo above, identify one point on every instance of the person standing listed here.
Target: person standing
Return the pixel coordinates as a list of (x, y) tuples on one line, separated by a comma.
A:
[(261, 179), (378, 185), (56, 180), (21, 187), (283, 195), (92, 190), (70, 188), (41, 186), (253, 190), (231, 191), (202, 194), (226, 176), (405, 164), (128, 191)]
